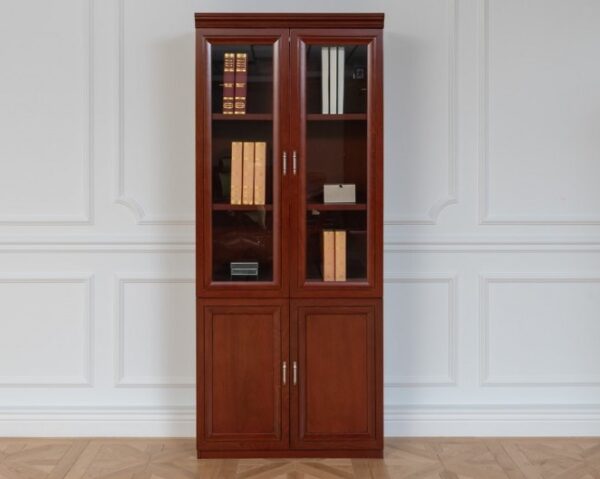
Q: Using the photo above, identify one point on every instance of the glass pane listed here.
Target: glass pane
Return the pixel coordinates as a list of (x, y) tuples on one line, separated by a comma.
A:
[(336, 163), (242, 162)]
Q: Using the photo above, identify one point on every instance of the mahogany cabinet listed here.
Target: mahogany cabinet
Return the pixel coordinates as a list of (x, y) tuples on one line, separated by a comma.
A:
[(289, 205)]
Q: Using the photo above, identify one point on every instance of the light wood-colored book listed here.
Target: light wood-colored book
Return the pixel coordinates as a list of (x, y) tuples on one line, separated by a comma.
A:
[(248, 174), (236, 173), (260, 170), (340, 255), (328, 255)]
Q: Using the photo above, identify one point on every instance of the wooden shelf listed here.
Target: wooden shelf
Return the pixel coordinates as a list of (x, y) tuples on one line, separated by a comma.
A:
[(337, 206), (228, 207), (246, 117), (336, 117)]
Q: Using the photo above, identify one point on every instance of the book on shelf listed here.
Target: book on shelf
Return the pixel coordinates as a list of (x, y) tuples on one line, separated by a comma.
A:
[(340, 255), (228, 83), (341, 53), (248, 174), (325, 80), (332, 80), (260, 170), (241, 85), (328, 255), (236, 172), (334, 255)]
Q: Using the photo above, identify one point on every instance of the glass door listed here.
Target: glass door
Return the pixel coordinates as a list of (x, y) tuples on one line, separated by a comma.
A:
[(243, 123), (334, 126)]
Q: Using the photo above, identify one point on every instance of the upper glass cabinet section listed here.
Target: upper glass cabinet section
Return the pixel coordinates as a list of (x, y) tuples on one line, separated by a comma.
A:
[(244, 220)]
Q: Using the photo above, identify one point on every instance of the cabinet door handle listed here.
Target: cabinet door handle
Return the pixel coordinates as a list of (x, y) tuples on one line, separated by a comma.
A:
[(284, 162), (284, 373), (295, 373), (294, 162)]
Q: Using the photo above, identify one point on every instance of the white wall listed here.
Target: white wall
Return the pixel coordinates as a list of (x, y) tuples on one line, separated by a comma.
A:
[(492, 264)]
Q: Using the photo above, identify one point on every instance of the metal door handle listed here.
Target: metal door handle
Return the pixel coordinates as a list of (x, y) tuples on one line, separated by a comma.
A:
[(284, 373), (295, 373), (284, 162), (294, 161)]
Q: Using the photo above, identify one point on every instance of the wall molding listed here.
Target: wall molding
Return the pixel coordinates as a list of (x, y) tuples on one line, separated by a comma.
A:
[(451, 198), (485, 378), (450, 378), (46, 381), (485, 218), (400, 421), (86, 218), (142, 217), (394, 244), (121, 380)]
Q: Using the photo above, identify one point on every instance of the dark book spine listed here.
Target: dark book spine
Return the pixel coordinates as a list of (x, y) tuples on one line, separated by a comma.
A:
[(228, 83), (241, 87)]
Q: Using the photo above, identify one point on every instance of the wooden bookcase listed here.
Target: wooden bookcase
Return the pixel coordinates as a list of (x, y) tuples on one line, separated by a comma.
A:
[(289, 364)]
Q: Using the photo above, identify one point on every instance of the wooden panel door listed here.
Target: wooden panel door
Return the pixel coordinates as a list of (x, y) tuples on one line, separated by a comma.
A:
[(336, 139), (236, 233), (243, 350), (336, 397)]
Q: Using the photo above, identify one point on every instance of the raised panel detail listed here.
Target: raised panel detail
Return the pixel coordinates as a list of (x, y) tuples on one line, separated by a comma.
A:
[(540, 330), (539, 150), (47, 334), (335, 402), (155, 327), (45, 112), (155, 174), (244, 398), (421, 178), (420, 330)]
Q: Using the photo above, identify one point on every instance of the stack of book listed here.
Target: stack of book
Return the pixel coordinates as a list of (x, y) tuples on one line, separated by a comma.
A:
[(334, 255), (235, 66), (248, 172), (332, 80)]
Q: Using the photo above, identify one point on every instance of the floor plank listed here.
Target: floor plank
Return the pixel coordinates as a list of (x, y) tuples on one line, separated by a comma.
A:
[(417, 458)]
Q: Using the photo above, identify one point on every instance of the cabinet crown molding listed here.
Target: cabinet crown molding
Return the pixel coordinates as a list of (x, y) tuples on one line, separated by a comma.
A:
[(289, 20)]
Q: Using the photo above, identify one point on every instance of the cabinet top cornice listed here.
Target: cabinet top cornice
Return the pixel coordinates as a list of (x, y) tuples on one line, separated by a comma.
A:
[(289, 20)]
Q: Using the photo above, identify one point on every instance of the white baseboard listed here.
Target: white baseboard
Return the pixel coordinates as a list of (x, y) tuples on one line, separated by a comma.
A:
[(400, 421)]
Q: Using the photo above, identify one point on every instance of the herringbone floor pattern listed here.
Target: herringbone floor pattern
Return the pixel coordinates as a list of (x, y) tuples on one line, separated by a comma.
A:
[(404, 459)]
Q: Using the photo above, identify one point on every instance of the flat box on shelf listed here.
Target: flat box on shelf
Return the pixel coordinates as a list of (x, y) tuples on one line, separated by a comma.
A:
[(339, 193)]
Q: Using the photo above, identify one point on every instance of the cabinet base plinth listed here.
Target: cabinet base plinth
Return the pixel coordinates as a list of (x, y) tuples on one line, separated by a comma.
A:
[(291, 453)]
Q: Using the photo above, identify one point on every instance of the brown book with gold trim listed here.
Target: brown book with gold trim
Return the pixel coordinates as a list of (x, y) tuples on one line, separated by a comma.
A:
[(260, 167), (328, 255), (241, 87), (340, 255), (248, 174), (228, 83), (236, 173)]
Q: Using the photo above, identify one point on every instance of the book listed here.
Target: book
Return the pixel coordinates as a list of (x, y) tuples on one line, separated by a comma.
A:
[(332, 80), (260, 169), (241, 78), (325, 80), (248, 173), (341, 53), (228, 83), (328, 255), (340, 255), (236, 173)]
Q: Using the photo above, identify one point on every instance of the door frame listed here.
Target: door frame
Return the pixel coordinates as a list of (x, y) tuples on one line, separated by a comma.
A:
[(205, 286), (373, 287)]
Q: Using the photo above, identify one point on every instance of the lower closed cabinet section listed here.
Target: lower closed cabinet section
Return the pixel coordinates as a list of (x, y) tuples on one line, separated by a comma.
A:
[(289, 378)]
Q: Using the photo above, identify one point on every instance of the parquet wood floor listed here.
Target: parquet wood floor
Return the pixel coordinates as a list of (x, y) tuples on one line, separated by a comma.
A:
[(438, 458)]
